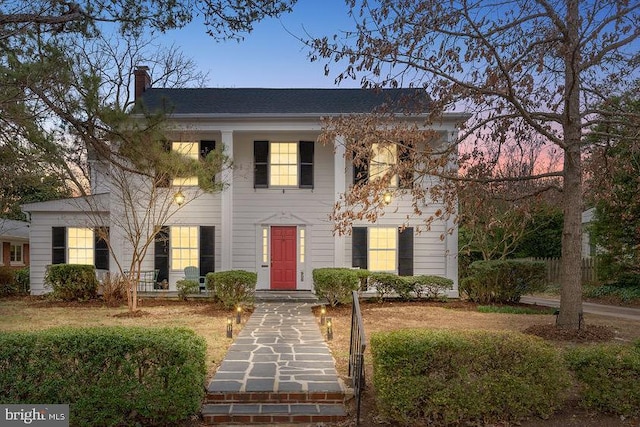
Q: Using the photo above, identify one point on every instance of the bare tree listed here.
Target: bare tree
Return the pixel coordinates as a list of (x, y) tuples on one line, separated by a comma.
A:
[(527, 71)]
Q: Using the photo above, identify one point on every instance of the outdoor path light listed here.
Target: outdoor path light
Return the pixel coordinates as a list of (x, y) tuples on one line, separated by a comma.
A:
[(230, 327)]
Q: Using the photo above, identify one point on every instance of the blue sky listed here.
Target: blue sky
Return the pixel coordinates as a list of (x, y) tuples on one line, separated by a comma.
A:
[(269, 56)]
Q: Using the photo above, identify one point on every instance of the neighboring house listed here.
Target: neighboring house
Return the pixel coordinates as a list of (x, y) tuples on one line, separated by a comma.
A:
[(14, 243), (272, 217)]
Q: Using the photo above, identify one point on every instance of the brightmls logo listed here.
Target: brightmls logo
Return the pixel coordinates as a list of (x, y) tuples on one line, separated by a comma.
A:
[(34, 415)]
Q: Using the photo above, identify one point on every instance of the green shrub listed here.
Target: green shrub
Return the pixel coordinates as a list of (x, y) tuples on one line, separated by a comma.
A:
[(23, 280), (72, 282), (336, 284), (608, 377), (8, 285), (623, 293), (109, 375), (465, 377), (503, 281), (232, 288), (431, 287), (388, 283), (187, 287)]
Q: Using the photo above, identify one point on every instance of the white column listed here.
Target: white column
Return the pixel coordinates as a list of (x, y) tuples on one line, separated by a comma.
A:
[(451, 236), (226, 246), (340, 186)]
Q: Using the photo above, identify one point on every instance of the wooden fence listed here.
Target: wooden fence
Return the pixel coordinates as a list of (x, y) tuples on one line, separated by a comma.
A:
[(589, 269)]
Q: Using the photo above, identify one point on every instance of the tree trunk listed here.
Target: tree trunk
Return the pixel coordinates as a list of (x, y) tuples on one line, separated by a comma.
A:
[(571, 269)]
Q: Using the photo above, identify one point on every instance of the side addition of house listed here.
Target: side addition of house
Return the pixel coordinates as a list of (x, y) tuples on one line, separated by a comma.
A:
[(272, 217)]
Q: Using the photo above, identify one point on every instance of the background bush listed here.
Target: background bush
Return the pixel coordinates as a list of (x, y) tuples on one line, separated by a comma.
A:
[(109, 375), (8, 284), (23, 280), (503, 281), (465, 377), (431, 287), (72, 282), (337, 284), (408, 287), (232, 288), (187, 287), (608, 376)]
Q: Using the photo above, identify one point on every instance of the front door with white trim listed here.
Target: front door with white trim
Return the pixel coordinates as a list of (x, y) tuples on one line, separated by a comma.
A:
[(283, 257)]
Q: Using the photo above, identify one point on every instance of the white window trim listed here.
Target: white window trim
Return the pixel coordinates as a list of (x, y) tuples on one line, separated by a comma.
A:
[(16, 263), (369, 249), (197, 247), (270, 165)]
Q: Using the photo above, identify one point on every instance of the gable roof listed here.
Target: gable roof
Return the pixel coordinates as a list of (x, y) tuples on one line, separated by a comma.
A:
[(259, 101), (12, 229)]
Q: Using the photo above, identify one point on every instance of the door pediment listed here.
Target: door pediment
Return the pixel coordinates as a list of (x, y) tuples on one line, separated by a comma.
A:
[(283, 218)]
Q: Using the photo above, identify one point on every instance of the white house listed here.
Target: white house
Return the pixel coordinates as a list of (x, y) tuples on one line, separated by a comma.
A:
[(272, 217)]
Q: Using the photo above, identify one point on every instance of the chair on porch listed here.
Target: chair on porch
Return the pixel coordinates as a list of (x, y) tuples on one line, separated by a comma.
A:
[(193, 273)]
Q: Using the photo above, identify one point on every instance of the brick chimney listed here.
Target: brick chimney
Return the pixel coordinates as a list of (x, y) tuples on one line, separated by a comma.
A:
[(142, 80)]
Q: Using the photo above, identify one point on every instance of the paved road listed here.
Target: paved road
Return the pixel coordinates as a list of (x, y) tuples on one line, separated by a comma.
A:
[(628, 313)]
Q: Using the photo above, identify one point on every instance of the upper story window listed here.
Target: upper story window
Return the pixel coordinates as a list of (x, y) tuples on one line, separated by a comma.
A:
[(283, 164), (383, 158), (194, 150)]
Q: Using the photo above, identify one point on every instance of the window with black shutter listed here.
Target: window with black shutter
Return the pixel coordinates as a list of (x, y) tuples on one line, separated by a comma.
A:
[(101, 249), (306, 164), (58, 245), (359, 248), (405, 252), (360, 170), (206, 146), (405, 158), (161, 254), (207, 250), (261, 164)]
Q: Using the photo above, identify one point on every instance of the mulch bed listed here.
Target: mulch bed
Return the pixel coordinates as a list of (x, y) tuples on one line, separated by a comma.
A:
[(586, 334)]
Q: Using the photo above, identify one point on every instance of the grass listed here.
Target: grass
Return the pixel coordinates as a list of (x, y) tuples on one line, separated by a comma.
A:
[(205, 318), (508, 309)]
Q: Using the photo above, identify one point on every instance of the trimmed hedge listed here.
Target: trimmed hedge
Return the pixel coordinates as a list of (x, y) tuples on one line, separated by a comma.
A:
[(187, 287), (608, 377), (465, 377), (503, 281), (71, 282), (336, 284), (232, 288), (109, 375), (408, 287)]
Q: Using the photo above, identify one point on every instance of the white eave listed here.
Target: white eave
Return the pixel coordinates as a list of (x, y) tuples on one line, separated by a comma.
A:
[(98, 203)]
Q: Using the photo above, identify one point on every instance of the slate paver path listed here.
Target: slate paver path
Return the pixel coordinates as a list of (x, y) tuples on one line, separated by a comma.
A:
[(279, 365)]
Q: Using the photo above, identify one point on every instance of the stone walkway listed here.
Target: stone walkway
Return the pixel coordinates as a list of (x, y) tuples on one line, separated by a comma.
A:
[(278, 369)]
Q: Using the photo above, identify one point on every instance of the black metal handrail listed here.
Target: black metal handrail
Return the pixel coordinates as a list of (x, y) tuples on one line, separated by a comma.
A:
[(356, 353)]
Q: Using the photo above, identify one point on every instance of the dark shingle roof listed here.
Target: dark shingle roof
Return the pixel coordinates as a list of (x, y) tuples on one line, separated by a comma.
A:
[(252, 101)]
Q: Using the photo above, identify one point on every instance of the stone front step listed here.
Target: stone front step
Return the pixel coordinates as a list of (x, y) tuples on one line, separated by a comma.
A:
[(286, 296), (272, 413), (275, 397)]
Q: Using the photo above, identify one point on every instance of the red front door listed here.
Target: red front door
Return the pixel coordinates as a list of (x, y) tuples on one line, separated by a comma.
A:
[(283, 258)]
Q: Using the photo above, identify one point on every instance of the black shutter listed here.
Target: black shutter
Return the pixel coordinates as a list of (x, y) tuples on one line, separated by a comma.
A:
[(101, 249), (306, 164), (360, 171), (58, 245), (161, 254), (404, 157), (207, 250), (162, 179), (206, 147), (359, 247), (261, 162), (405, 252)]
